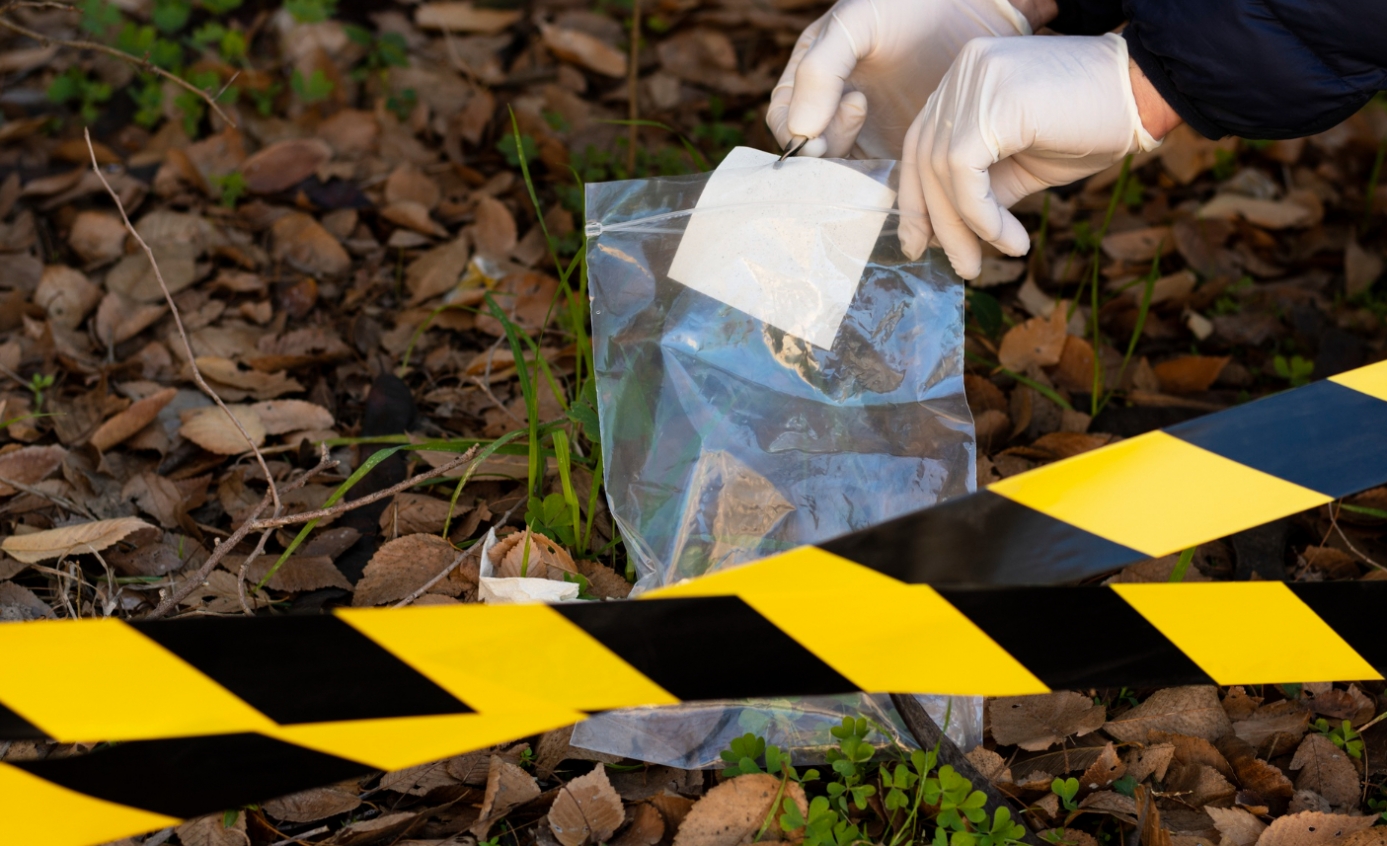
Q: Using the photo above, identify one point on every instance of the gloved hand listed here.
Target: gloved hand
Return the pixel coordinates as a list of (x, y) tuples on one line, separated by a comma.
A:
[(1013, 116), (862, 72)]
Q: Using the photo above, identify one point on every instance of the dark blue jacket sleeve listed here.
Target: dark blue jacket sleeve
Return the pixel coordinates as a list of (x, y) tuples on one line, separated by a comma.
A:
[(1253, 68)]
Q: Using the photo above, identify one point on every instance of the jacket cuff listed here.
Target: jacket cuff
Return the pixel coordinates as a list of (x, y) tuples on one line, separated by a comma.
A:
[(1150, 65)]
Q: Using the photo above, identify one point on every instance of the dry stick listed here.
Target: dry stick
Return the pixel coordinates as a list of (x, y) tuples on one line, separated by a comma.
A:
[(56, 499), (143, 64), (253, 524), (325, 462), (178, 322), (632, 84)]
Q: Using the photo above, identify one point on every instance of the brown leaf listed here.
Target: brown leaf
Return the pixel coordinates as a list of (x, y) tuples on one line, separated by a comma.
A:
[(1238, 705), (1266, 782), (412, 513), (303, 243), (495, 232), (1104, 771), (157, 496), (647, 827), (506, 786), (1375, 836), (283, 165), (299, 573), (130, 421), (28, 465), (281, 416), (1193, 710), (383, 830), (1153, 760), (584, 50), (437, 271), (1361, 268), (247, 382), (1138, 245), (154, 559), (18, 604), (1185, 153), (415, 216), (1236, 827), (401, 566), (76, 539), (1352, 704), (1039, 342), (1152, 832), (1312, 828), (312, 805), (120, 318), (587, 810), (992, 766), (407, 183), (463, 17), (1189, 373), (1270, 214), (1274, 729), (97, 237), (1038, 722), (1327, 770), (1154, 570), (545, 559), (603, 582), (66, 295), (1191, 750), (1074, 372), (1201, 784), (210, 428), (212, 830), (731, 813)]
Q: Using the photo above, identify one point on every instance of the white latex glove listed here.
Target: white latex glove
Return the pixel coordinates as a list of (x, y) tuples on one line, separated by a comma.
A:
[(1013, 116), (862, 72)]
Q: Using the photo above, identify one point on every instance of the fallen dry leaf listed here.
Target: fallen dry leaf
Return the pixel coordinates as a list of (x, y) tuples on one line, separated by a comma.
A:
[(437, 271), (1153, 760), (506, 786), (303, 243), (28, 465), (280, 416), (1039, 342), (415, 216), (1361, 268), (1104, 771), (587, 810), (412, 513), (1274, 729), (992, 766), (97, 237), (120, 318), (402, 565), (584, 50), (731, 813), (463, 17), (1200, 784), (495, 232), (545, 559), (1312, 828), (1375, 836), (647, 827), (210, 428), (18, 604), (283, 165), (247, 382), (127, 423), (1236, 827), (1327, 770), (407, 183), (299, 573), (66, 295), (1038, 722), (76, 539), (312, 805), (1271, 214), (1193, 710), (1138, 245), (1256, 776), (1189, 373), (212, 830)]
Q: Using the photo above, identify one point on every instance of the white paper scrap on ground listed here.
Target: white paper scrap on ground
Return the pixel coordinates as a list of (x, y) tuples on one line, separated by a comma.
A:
[(788, 244), (493, 590)]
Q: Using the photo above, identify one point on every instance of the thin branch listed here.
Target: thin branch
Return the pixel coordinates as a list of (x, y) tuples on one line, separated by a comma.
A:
[(178, 322), (143, 64), (56, 499), (254, 524), (325, 462)]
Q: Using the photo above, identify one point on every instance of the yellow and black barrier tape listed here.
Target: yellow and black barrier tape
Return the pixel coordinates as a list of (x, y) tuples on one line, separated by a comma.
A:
[(198, 716)]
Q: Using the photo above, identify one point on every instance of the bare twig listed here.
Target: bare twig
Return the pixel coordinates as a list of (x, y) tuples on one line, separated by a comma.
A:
[(178, 322), (254, 524), (74, 507), (443, 574), (142, 63), (325, 462)]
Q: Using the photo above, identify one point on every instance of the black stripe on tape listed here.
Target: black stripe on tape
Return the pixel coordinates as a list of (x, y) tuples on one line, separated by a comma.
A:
[(303, 669), (1077, 637), (979, 539), (191, 776), (1354, 610), (714, 647), (15, 727), (1323, 436)]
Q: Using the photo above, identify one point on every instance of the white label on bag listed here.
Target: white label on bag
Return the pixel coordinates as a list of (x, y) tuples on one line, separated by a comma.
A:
[(788, 244)]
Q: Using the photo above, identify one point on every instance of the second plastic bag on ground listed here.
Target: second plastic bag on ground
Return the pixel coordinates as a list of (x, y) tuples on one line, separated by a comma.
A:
[(771, 372)]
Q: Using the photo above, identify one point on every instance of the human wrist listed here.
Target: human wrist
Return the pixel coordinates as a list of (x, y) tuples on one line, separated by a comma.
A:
[(1037, 13), (1157, 117)]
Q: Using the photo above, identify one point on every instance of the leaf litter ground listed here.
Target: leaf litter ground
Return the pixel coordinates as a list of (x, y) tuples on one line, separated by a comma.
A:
[(334, 257)]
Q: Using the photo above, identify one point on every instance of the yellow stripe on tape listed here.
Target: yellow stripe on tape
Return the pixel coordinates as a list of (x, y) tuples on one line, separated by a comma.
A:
[(145, 690), (782, 588), (1370, 380), (1247, 632), (40, 812), (1156, 494)]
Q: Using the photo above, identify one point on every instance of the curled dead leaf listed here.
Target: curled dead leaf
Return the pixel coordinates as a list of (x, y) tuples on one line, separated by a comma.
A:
[(303, 243), (506, 786), (1236, 827), (587, 810), (1038, 722), (130, 421), (76, 539), (210, 428), (545, 559)]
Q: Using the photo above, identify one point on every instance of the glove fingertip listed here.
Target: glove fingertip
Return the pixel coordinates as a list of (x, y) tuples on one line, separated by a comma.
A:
[(815, 148)]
